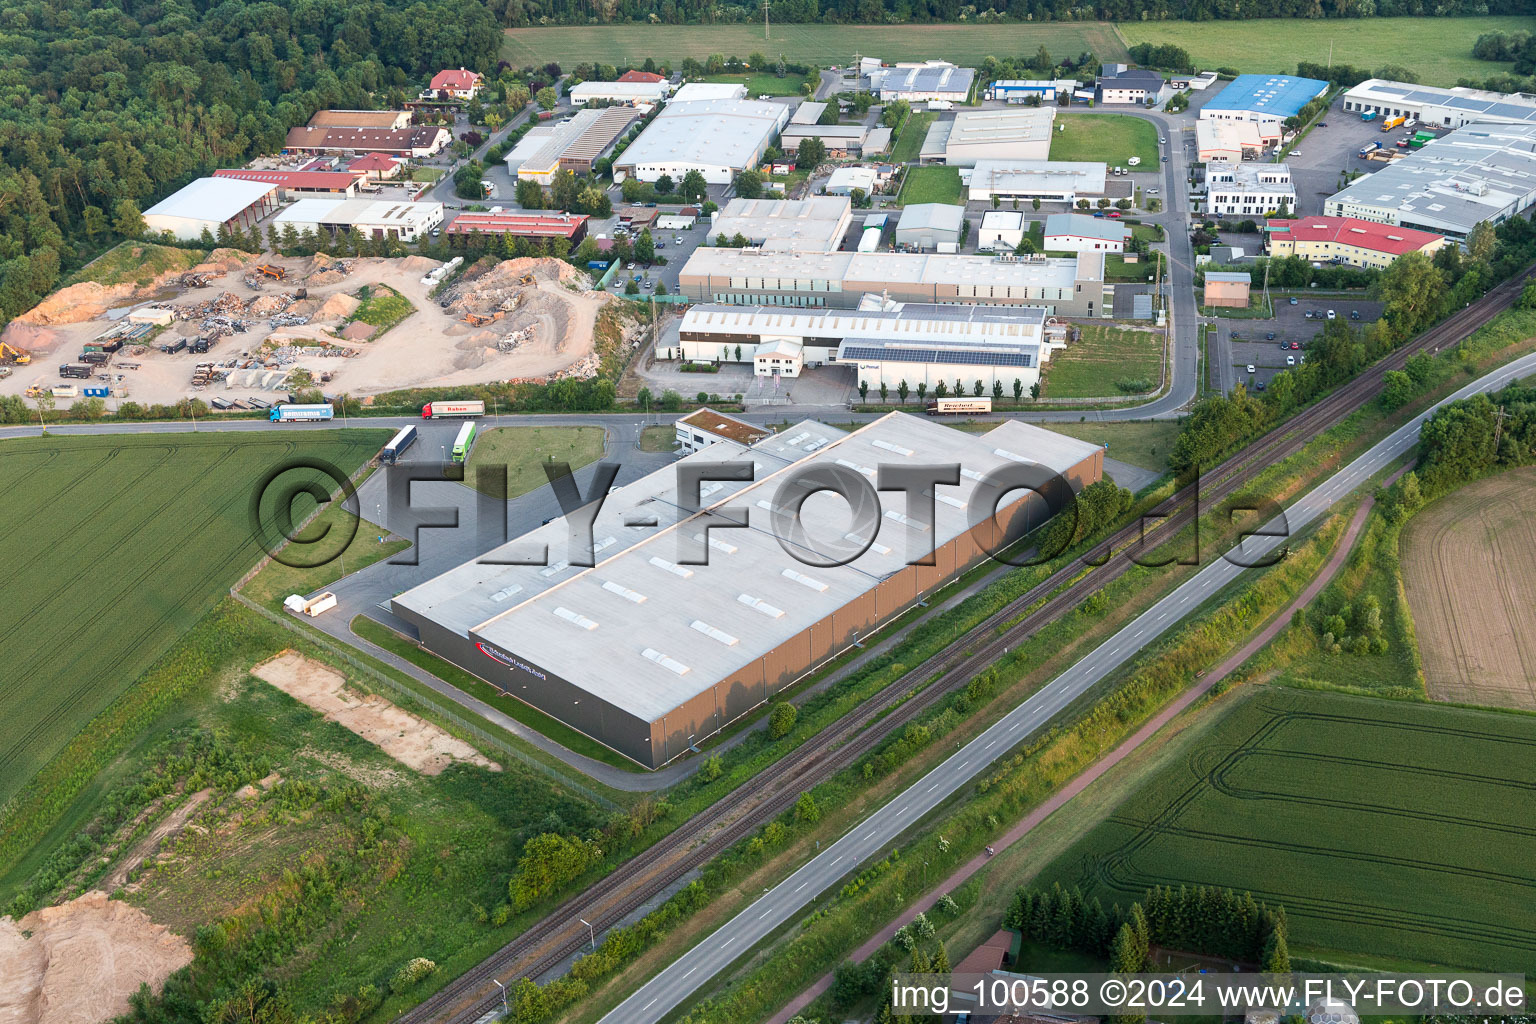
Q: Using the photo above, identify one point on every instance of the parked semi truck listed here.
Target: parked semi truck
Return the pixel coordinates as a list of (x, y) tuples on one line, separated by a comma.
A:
[(1369, 148), (397, 445), (959, 406), (450, 410), (1392, 122), (463, 443), (294, 413), (80, 370)]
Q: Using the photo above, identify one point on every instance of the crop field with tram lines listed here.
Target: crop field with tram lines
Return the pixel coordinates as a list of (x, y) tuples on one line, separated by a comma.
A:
[(112, 547), (1385, 828)]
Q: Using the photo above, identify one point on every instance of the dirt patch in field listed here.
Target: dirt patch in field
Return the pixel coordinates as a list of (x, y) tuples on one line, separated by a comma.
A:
[(405, 737), (1469, 570), (169, 826), (82, 961)]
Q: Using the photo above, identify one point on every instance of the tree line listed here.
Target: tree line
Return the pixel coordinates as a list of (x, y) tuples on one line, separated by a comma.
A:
[(1207, 920)]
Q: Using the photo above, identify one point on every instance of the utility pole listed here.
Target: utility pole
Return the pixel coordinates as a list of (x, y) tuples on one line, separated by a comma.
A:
[(1498, 430), (766, 34)]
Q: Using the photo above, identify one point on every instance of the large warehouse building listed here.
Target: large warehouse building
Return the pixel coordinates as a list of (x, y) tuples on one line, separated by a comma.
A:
[(1443, 108), (813, 224), (889, 342), (1233, 141), (840, 280), (717, 138), (582, 140), (915, 83), (372, 218), (208, 204), (687, 623), (1014, 133), (1483, 172), (1263, 100), (930, 226), (1058, 181)]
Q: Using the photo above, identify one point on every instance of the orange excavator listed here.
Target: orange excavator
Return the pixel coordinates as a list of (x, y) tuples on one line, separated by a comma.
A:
[(275, 273)]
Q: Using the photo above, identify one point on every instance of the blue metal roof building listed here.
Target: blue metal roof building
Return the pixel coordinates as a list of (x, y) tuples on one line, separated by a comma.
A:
[(1265, 96)]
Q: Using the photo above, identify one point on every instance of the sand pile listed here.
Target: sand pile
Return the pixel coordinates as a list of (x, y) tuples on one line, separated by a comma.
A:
[(340, 305), (78, 303), (83, 960), (29, 337), (222, 261), (418, 265)]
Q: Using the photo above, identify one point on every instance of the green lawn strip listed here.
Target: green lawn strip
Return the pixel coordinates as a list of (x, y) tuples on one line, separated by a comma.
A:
[(426, 173), (383, 308), (1258, 308), (910, 141), (1143, 270), (1144, 443), (532, 717), (1092, 727), (767, 84), (524, 451), (1108, 138), (1417, 852), (932, 185), (1102, 360), (369, 543), (658, 439)]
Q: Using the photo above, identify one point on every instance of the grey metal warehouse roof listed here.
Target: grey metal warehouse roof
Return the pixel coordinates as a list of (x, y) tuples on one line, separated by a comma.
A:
[(645, 632)]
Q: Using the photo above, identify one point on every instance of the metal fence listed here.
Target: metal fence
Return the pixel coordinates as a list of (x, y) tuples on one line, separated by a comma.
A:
[(399, 691)]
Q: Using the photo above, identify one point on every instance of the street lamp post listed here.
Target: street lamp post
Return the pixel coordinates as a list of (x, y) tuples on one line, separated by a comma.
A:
[(591, 932), (504, 1011)]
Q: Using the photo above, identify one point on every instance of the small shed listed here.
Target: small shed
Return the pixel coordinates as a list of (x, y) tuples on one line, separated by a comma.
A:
[(1227, 289)]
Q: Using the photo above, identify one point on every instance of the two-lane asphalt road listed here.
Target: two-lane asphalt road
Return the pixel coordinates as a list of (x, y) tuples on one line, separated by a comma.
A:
[(675, 983)]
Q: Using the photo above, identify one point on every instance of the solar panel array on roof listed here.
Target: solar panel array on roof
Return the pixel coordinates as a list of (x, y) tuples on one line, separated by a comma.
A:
[(960, 356)]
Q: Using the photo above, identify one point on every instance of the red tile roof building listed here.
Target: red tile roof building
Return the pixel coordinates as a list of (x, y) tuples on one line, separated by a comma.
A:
[(570, 226), (375, 165), (404, 142), (641, 76), (1359, 243), (459, 83), (336, 183)]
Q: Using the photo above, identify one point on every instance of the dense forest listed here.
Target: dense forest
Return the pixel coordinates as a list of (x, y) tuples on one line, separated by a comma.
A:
[(676, 12), (109, 107)]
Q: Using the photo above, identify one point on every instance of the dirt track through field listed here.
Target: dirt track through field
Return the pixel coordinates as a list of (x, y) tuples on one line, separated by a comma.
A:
[(1469, 571), (408, 739)]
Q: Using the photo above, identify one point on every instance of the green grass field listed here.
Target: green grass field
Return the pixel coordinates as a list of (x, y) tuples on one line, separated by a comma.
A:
[(523, 450), (1144, 443), (1090, 367), (768, 84), (1386, 829), (383, 308), (932, 185), (822, 45), (1110, 138), (1438, 49), (115, 546), (910, 142)]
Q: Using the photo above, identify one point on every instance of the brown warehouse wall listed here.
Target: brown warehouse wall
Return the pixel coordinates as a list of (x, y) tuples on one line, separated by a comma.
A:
[(656, 743)]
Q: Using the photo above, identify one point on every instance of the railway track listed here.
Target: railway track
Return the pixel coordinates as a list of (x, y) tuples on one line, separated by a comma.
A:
[(561, 934)]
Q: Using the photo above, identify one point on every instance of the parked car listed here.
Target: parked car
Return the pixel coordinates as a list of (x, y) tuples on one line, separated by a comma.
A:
[(1114, 214), (1259, 386), (1152, 192), (1332, 315), (1295, 345), (1270, 336), (1293, 300), (1236, 336), (630, 267), (1290, 360), (1322, 124), (1250, 368), (1354, 314)]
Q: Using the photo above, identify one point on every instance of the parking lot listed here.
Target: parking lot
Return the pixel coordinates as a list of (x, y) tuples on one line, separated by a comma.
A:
[(1319, 163), (1244, 343)]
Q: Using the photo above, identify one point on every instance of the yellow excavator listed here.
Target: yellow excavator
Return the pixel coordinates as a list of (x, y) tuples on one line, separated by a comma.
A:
[(12, 354)]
